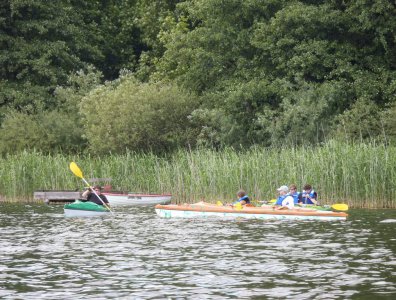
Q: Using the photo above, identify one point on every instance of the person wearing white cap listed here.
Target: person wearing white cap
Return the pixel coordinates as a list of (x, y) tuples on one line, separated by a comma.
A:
[(284, 199)]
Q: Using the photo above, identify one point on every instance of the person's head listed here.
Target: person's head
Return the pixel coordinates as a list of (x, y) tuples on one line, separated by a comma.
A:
[(241, 193), (293, 188), (307, 187), (97, 188), (283, 190)]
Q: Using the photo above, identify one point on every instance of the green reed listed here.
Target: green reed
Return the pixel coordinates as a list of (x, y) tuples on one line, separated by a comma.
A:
[(362, 175)]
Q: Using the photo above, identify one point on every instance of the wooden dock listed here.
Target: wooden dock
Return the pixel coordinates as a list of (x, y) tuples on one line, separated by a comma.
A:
[(57, 197), (68, 196)]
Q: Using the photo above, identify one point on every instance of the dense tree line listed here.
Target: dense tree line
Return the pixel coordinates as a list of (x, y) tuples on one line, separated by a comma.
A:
[(107, 76)]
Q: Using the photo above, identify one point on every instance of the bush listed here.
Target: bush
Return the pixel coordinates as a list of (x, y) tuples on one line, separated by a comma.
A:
[(138, 116), (362, 122), (46, 132)]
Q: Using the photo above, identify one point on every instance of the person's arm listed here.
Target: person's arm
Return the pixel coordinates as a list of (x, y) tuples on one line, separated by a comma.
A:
[(106, 202), (313, 199), (305, 198), (86, 193)]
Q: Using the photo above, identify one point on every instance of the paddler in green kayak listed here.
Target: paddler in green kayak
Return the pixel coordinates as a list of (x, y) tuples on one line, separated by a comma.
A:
[(94, 194)]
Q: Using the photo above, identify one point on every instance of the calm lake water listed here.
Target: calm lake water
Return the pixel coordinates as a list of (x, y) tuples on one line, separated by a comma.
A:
[(137, 255)]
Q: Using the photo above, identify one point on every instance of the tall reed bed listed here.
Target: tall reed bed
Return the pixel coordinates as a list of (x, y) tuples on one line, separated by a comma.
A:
[(362, 175)]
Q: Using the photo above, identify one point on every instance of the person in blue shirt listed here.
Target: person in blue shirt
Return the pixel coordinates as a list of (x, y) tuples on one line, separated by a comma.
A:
[(243, 198), (309, 196), (297, 196)]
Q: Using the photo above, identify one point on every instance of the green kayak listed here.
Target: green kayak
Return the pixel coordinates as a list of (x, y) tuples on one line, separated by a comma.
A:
[(84, 208)]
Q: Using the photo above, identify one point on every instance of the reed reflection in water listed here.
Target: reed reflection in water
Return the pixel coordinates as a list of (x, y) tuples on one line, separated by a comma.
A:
[(137, 255)]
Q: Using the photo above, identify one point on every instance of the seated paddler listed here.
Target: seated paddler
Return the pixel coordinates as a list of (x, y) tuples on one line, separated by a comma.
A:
[(297, 196), (94, 194), (243, 198), (285, 200), (309, 196)]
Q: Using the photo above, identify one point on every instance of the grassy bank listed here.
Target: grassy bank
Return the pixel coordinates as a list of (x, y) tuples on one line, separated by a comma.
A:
[(360, 175)]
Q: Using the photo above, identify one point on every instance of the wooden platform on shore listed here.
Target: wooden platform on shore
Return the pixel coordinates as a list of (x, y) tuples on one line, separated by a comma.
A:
[(57, 197)]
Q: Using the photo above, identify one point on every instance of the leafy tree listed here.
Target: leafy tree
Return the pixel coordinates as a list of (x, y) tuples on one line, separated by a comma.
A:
[(363, 121), (388, 117), (42, 42), (45, 42), (49, 132), (266, 72), (151, 19), (19, 131), (119, 36), (278, 62), (208, 42), (78, 85), (137, 116)]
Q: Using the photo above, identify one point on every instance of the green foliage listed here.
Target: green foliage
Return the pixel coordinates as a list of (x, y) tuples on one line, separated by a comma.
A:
[(233, 116), (389, 118), (55, 130), (304, 117), (199, 174), (206, 42), (118, 36), (135, 116), (267, 73), (78, 85), (362, 121), (18, 132), (211, 123), (43, 42), (46, 132), (280, 72)]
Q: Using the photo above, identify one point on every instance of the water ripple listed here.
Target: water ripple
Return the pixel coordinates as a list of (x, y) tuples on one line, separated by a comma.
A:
[(136, 254)]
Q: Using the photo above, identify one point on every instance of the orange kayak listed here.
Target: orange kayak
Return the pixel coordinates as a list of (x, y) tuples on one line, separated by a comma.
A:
[(204, 209)]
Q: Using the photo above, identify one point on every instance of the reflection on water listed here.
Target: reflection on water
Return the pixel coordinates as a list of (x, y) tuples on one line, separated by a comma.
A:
[(136, 254)]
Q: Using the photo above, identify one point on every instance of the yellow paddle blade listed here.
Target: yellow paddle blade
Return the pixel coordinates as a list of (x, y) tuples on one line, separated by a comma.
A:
[(340, 207), (238, 206), (219, 203), (272, 201), (75, 169)]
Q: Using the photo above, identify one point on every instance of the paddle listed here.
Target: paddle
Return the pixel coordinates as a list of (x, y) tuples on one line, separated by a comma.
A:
[(340, 207), (76, 171), (237, 206)]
